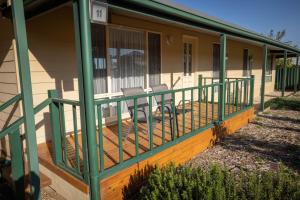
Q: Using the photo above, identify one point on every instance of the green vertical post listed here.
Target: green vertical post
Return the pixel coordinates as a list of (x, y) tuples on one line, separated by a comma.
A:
[(284, 74), (263, 78), (27, 102), (199, 99), (86, 91), (223, 44), (55, 126), (80, 85), (17, 164), (296, 74), (252, 90)]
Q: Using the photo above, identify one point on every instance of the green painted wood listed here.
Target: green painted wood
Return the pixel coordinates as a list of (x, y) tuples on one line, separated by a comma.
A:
[(195, 20), (163, 125), (284, 74), (63, 133), (10, 102), (296, 75), (174, 117), (252, 90), (79, 65), (136, 129), (200, 78), (100, 136), (192, 110), (17, 164), (120, 134), (55, 127), (183, 109), (236, 95), (26, 91), (206, 105), (150, 122), (223, 47), (77, 157), (86, 94), (212, 102)]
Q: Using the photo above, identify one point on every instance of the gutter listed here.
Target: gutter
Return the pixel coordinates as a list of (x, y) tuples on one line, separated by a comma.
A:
[(213, 24)]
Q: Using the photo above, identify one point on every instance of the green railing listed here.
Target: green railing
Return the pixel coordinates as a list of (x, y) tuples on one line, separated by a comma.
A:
[(190, 111), (194, 100), (16, 148), (292, 81)]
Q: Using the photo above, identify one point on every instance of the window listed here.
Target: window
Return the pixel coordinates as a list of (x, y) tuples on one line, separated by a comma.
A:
[(127, 58), (246, 63), (154, 58), (216, 60), (187, 58), (99, 58), (269, 68)]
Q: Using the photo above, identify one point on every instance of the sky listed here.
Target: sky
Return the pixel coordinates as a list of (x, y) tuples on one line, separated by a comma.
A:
[(257, 15)]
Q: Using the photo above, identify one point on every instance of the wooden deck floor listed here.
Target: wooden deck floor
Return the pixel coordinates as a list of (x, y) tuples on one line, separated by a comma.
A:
[(110, 137)]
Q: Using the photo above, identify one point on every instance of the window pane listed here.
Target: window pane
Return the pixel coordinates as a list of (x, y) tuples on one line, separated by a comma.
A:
[(190, 59), (246, 63), (99, 58), (216, 60), (154, 57), (127, 57)]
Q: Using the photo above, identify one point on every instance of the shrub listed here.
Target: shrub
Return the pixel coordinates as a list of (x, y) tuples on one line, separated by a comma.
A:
[(285, 103), (174, 183)]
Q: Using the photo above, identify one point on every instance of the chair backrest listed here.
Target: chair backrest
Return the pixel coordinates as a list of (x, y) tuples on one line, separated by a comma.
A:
[(142, 102), (161, 88)]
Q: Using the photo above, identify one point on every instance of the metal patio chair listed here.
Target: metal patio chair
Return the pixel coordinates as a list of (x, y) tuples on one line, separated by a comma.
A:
[(142, 109), (168, 104)]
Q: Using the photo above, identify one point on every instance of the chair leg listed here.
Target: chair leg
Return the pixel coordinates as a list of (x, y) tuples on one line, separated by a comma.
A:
[(177, 125), (129, 129)]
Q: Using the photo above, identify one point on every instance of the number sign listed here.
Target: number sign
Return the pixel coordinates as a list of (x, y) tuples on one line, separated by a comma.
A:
[(98, 12)]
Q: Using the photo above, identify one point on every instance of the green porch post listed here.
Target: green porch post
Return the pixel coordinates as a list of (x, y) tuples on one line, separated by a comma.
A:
[(86, 91), (284, 74), (223, 46), (297, 75), (27, 103), (263, 78)]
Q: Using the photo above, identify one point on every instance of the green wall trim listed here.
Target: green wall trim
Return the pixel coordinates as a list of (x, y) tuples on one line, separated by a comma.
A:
[(263, 78), (197, 20)]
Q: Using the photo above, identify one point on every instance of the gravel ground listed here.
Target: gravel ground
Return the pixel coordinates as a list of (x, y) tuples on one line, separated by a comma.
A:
[(270, 139)]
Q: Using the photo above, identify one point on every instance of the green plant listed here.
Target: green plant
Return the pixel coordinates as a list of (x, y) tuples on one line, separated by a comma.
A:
[(184, 182), (284, 103)]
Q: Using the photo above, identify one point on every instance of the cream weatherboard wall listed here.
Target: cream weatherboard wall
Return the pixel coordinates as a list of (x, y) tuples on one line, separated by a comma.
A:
[(8, 77), (53, 58)]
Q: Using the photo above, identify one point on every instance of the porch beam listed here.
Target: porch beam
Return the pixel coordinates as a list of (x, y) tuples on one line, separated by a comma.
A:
[(86, 93), (223, 46), (263, 78), (26, 90), (284, 73)]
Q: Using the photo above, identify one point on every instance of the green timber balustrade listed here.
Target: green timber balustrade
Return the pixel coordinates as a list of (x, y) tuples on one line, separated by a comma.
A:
[(292, 81), (200, 113), (16, 149)]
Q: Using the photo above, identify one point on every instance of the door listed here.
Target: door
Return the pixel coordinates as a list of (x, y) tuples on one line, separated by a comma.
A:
[(189, 61)]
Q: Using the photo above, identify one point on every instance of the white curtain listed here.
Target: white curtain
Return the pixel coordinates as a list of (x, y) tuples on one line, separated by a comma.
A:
[(127, 57)]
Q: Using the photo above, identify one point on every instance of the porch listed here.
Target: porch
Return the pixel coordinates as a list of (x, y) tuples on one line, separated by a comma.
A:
[(88, 144), (117, 154)]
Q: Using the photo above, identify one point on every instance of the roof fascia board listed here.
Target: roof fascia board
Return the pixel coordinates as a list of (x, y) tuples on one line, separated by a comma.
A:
[(211, 23)]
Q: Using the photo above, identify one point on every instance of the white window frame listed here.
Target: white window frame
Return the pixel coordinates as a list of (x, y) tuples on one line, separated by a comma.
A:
[(147, 89)]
